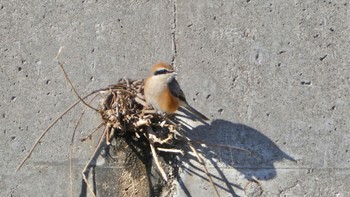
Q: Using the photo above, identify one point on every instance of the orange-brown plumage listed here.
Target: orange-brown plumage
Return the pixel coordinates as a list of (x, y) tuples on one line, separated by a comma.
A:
[(168, 103), (157, 92), (163, 92)]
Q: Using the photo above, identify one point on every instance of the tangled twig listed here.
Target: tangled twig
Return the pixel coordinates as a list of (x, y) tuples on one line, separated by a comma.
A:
[(123, 109)]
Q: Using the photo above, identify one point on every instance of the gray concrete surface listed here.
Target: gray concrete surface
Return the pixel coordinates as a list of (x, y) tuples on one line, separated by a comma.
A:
[(272, 75)]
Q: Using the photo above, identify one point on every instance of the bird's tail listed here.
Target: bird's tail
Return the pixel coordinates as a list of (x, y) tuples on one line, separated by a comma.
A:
[(194, 111)]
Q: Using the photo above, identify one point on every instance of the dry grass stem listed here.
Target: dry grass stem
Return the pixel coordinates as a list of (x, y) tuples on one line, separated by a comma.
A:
[(123, 110), (156, 160), (171, 150)]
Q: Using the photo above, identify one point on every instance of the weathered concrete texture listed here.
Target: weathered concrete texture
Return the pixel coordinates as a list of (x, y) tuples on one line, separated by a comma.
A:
[(103, 42), (279, 69), (273, 75)]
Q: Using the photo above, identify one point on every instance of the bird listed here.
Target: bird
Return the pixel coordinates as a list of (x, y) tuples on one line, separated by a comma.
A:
[(163, 92)]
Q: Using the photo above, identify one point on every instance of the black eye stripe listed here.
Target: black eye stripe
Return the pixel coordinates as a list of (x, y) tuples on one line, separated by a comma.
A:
[(162, 71)]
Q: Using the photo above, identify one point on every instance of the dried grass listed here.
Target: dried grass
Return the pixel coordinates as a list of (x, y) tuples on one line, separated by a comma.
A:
[(123, 109)]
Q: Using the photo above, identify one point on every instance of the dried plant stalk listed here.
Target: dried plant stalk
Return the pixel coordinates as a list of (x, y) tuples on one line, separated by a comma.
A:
[(123, 109)]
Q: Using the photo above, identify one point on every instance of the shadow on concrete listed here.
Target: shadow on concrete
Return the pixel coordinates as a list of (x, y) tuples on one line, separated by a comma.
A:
[(234, 145), (229, 144)]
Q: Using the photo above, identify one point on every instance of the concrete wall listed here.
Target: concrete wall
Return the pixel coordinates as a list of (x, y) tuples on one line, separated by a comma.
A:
[(272, 75)]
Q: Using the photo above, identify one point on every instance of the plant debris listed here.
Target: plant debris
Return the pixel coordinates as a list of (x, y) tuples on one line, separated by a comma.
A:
[(123, 110)]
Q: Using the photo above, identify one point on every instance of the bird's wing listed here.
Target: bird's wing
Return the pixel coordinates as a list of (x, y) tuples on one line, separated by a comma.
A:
[(176, 90)]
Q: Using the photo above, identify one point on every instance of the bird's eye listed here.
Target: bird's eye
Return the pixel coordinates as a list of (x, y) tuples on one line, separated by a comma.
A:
[(162, 71)]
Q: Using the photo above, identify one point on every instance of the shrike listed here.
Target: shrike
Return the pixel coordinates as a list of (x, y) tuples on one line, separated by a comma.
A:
[(163, 92)]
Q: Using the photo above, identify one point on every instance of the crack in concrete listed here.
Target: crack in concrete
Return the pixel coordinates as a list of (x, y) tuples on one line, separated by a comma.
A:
[(283, 191), (173, 33)]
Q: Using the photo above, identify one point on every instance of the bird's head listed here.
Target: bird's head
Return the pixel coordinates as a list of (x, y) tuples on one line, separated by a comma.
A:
[(163, 71)]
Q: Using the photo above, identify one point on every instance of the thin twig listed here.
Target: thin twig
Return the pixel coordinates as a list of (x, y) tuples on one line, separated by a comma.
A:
[(48, 128), (90, 160), (69, 81), (200, 160), (152, 137), (72, 144), (140, 101), (171, 150), (156, 160), (118, 89), (71, 154)]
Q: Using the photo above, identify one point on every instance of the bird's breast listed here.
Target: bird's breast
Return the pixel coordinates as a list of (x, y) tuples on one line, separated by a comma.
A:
[(167, 102), (159, 96)]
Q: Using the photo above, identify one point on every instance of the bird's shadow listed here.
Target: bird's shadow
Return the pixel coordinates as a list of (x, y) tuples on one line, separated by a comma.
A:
[(237, 146)]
